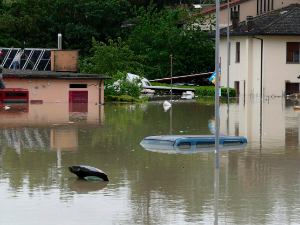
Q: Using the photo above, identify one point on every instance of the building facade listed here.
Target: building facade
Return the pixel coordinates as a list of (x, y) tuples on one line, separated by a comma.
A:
[(50, 86), (264, 54), (247, 8)]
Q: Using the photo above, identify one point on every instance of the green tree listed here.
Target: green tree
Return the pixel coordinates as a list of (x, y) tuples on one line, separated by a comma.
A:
[(111, 58), (158, 35), (36, 23), (160, 4), (120, 85), (28, 22), (6, 40), (80, 20), (114, 60)]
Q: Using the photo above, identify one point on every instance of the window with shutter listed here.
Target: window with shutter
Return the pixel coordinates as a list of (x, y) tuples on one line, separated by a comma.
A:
[(292, 52)]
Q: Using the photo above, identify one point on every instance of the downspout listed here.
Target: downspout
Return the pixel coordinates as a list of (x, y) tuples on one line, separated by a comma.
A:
[(261, 65), (100, 92), (261, 70)]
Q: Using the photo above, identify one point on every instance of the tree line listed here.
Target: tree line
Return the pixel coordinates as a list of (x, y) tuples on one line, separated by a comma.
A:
[(136, 36)]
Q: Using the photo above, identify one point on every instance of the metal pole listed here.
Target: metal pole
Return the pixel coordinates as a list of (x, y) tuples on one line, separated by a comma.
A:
[(171, 56), (171, 119), (228, 54), (217, 85), (217, 112)]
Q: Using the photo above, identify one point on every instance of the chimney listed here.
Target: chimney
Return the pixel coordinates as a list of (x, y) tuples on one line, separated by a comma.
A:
[(249, 23), (59, 42), (235, 19), (64, 60)]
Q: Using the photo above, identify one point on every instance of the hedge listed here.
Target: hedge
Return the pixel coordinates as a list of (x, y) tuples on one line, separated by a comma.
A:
[(210, 91), (203, 90)]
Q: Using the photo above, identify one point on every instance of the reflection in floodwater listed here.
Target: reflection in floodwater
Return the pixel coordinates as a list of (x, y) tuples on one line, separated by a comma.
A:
[(24, 137), (82, 186), (44, 126), (257, 185)]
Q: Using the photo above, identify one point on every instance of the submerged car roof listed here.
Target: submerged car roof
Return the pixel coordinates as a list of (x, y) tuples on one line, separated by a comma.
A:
[(176, 137)]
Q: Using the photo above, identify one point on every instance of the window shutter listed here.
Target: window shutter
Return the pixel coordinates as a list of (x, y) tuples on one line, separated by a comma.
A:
[(292, 46)]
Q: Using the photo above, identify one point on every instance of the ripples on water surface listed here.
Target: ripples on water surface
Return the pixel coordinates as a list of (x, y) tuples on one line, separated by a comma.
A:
[(257, 185)]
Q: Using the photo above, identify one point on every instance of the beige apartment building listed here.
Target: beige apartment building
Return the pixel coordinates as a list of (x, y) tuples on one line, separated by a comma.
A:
[(264, 54), (247, 8)]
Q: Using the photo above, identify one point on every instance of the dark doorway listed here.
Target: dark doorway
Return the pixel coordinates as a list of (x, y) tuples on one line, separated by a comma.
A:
[(237, 87), (291, 88)]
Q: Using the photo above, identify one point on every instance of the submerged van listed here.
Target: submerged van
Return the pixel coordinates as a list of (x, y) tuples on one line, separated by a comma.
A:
[(192, 143)]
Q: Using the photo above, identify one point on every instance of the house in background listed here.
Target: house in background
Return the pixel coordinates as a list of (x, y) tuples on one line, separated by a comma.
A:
[(264, 54), (62, 84), (246, 8)]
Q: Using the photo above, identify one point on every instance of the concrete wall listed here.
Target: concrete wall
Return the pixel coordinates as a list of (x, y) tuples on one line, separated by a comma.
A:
[(54, 90)]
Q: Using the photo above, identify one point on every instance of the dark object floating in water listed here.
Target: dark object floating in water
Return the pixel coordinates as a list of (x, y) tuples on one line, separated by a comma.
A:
[(85, 171)]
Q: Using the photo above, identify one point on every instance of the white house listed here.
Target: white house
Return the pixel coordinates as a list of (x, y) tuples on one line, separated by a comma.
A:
[(264, 53)]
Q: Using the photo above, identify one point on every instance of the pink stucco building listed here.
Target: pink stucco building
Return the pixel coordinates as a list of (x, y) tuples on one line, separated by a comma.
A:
[(61, 84)]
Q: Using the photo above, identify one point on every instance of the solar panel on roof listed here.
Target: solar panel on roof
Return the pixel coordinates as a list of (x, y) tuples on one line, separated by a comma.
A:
[(31, 58)]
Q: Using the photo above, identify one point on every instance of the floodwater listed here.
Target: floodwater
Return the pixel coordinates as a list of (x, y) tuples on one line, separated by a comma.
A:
[(257, 185)]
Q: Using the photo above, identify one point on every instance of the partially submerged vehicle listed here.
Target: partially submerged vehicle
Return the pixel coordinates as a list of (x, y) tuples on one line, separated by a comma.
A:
[(192, 143), (144, 82)]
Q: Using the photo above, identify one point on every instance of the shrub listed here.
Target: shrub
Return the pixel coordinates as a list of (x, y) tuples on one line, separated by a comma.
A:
[(123, 86)]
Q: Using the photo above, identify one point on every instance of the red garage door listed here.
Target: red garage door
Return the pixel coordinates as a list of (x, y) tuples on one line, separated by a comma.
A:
[(78, 96)]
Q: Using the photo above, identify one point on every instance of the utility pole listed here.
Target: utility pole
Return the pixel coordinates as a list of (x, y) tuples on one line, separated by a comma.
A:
[(217, 84)]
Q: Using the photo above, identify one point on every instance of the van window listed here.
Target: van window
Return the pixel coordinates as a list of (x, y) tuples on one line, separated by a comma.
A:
[(206, 144), (157, 142), (184, 145), (232, 143)]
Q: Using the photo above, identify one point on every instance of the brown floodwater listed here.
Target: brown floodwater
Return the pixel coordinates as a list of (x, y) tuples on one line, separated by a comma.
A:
[(259, 184)]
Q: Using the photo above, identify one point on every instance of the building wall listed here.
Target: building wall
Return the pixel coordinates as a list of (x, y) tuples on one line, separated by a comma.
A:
[(275, 69), (51, 90), (237, 70)]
